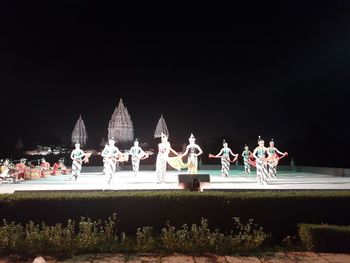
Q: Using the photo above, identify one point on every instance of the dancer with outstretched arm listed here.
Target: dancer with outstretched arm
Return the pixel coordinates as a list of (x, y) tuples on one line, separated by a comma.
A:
[(274, 155), (224, 155)]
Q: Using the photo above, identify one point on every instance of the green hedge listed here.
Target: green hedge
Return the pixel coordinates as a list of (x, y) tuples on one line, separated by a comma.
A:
[(277, 212), (90, 236), (325, 238)]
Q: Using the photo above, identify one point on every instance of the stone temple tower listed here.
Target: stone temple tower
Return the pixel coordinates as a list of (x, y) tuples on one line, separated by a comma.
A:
[(79, 133), (161, 128), (120, 127)]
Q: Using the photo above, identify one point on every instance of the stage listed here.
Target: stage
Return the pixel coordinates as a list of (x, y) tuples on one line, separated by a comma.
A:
[(125, 180)]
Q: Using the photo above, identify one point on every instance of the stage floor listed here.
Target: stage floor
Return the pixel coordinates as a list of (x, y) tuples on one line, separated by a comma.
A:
[(125, 180)]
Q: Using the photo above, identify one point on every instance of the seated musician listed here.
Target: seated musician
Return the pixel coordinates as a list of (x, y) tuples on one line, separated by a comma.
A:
[(59, 166), (4, 169), (45, 167), (21, 169)]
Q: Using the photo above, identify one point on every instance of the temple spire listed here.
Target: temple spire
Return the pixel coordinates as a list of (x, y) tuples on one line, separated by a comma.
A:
[(79, 133), (161, 128), (120, 127)]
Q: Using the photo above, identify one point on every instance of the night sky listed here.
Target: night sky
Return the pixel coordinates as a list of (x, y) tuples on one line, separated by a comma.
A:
[(279, 69)]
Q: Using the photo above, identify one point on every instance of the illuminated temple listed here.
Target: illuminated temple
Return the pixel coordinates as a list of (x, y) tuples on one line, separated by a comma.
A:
[(79, 133), (120, 127)]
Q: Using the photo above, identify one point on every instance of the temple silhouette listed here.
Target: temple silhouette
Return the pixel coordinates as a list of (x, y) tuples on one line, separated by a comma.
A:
[(120, 127)]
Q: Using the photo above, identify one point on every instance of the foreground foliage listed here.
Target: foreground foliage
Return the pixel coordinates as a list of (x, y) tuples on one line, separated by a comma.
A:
[(325, 238), (278, 212), (88, 236)]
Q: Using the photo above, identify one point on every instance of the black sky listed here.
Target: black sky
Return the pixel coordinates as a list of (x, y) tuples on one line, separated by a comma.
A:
[(237, 69)]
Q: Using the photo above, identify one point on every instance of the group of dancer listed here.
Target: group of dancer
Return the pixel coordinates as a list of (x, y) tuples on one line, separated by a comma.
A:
[(111, 156), (265, 159), (192, 151)]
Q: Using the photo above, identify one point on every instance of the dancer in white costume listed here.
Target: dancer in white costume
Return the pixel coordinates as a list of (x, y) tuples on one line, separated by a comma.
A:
[(246, 155), (259, 154), (110, 153), (224, 155), (273, 158), (104, 161), (77, 156), (193, 150), (136, 155), (164, 149)]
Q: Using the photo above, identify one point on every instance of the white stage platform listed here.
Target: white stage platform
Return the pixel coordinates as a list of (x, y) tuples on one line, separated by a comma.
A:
[(125, 180)]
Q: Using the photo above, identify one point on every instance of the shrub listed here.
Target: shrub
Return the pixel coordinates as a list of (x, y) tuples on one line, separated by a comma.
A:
[(11, 236), (145, 240), (200, 239), (96, 237), (250, 235), (325, 238)]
